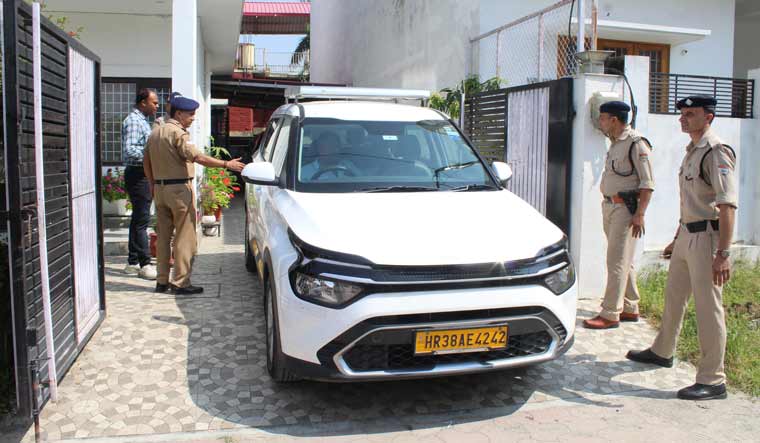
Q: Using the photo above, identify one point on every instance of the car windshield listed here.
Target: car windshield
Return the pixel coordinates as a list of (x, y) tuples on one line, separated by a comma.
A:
[(386, 156)]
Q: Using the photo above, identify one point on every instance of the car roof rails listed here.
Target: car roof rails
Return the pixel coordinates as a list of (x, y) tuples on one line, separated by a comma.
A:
[(296, 93)]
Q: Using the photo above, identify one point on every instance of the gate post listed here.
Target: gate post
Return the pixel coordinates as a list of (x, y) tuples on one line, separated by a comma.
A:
[(587, 241)]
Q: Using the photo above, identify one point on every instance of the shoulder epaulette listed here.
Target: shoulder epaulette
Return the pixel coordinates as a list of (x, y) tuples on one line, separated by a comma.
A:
[(702, 174)]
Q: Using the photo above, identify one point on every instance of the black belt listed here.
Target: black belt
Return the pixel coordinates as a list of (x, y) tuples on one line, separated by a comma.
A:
[(701, 226), (172, 181)]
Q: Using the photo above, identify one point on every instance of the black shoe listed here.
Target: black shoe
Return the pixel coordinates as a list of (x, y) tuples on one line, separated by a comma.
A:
[(703, 392), (161, 288), (187, 290), (647, 356)]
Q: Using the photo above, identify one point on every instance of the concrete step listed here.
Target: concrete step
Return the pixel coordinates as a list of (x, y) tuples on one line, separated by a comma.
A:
[(115, 241), (117, 222)]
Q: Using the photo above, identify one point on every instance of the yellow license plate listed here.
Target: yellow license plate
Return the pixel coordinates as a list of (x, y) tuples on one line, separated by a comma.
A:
[(460, 340)]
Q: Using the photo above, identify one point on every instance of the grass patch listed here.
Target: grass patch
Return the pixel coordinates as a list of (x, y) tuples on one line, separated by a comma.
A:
[(741, 300)]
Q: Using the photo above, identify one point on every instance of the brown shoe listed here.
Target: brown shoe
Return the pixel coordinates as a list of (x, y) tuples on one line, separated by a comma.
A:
[(600, 323), (629, 316)]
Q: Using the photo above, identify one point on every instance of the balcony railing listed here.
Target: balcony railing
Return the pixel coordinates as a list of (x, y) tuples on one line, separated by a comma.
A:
[(270, 63), (735, 96)]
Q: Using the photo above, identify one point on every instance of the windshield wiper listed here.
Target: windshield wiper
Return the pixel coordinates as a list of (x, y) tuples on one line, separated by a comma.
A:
[(474, 187), (449, 168), (398, 189)]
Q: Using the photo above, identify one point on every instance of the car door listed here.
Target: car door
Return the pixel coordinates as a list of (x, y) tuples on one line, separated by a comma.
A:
[(268, 195), (253, 193)]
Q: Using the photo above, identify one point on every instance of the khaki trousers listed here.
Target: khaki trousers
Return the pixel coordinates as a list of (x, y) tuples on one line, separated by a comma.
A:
[(691, 272), (621, 294), (175, 211)]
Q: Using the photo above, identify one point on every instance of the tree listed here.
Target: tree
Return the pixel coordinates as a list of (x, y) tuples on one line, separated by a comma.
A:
[(453, 96), (304, 45)]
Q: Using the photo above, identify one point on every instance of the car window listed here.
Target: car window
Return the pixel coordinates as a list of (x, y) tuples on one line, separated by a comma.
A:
[(281, 145), (347, 156), (269, 138), (425, 151)]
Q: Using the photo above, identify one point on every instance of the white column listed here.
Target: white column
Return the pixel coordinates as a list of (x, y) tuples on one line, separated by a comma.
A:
[(637, 71), (207, 82), (580, 42), (588, 245), (185, 48), (748, 223)]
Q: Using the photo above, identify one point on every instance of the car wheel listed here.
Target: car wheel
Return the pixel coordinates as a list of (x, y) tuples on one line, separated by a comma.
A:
[(250, 260), (275, 358)]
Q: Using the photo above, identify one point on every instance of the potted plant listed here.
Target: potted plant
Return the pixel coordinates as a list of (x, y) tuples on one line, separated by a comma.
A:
[(217, 189), (115, 199)]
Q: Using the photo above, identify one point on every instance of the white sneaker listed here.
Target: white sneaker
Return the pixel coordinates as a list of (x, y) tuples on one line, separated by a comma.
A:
[(148, 272), (132, 269)]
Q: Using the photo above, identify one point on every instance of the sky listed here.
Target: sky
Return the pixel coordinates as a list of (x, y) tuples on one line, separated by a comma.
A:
[(274, 43)]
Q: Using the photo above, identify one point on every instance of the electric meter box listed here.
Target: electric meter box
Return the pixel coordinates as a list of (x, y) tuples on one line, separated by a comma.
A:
[(599, 98)]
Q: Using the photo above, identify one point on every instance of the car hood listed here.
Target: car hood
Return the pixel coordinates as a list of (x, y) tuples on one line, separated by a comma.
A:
[(419, 228)]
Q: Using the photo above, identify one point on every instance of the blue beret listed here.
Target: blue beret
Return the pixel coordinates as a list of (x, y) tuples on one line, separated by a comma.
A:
[(614, 107), (697, 101), (184, 104), (174, 95)]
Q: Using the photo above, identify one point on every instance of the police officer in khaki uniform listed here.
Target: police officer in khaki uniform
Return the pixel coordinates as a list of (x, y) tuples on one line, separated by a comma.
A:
[(699, 253), (627, 176), (160, 121), (170, 167)]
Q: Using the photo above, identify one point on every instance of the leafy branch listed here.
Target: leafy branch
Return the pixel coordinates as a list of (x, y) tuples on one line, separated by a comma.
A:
[(448, 99)]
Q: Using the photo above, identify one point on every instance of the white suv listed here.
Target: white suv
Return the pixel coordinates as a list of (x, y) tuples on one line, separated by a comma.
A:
[(389, 249)]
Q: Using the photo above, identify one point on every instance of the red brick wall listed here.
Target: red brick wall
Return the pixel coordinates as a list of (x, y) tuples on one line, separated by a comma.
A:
[(241, 119), (261, 117)]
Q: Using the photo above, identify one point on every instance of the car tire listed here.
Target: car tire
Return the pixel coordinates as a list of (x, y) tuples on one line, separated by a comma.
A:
[(250, 260), (276, 366)]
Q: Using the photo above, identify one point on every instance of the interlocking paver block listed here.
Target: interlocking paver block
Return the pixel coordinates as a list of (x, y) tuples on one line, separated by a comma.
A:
[(170, 363)]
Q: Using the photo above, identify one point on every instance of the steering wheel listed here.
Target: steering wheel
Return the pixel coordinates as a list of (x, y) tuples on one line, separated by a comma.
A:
[(344, 169)]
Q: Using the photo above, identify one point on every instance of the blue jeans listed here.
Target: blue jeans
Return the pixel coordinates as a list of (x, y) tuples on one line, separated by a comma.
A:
[(139, 194)]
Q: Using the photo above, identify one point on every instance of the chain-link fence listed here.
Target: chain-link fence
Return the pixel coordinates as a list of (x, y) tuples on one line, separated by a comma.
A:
[(534, 48)]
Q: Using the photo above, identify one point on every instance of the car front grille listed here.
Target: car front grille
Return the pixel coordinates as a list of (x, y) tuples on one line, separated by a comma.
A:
[(366, 356)]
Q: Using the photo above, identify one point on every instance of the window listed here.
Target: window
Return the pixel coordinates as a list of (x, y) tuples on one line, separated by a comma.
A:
[(348, 156), (117, 100), (281, 145), (659, 55), (268, 143), (566, 47)]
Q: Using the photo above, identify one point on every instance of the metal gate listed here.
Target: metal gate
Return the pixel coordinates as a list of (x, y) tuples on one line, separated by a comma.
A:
[(530, 128), (55, 240)]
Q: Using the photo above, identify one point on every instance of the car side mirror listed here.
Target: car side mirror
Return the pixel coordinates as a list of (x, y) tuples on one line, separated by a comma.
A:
[(502, 170), (259, 173)]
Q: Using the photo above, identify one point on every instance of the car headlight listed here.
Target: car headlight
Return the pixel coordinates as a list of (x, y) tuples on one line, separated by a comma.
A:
[(328, 292), (560, 281)]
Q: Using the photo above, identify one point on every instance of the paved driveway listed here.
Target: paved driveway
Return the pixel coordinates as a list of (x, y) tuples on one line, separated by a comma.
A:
[(163, 364)]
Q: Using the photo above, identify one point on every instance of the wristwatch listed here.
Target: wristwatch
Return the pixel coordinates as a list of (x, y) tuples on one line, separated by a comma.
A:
[(725, 253)]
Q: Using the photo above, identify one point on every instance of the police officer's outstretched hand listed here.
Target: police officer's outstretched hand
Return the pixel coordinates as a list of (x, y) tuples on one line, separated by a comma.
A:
[(721, 268), (235, 164), (668, 251)]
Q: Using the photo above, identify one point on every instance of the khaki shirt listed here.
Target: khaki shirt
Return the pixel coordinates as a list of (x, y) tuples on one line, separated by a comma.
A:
[(699, 200), (171, 154), (640, 171), (160, 121)]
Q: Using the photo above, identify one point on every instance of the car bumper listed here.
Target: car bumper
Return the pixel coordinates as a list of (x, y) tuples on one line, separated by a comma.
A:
[(330, 373), (327, 343)]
